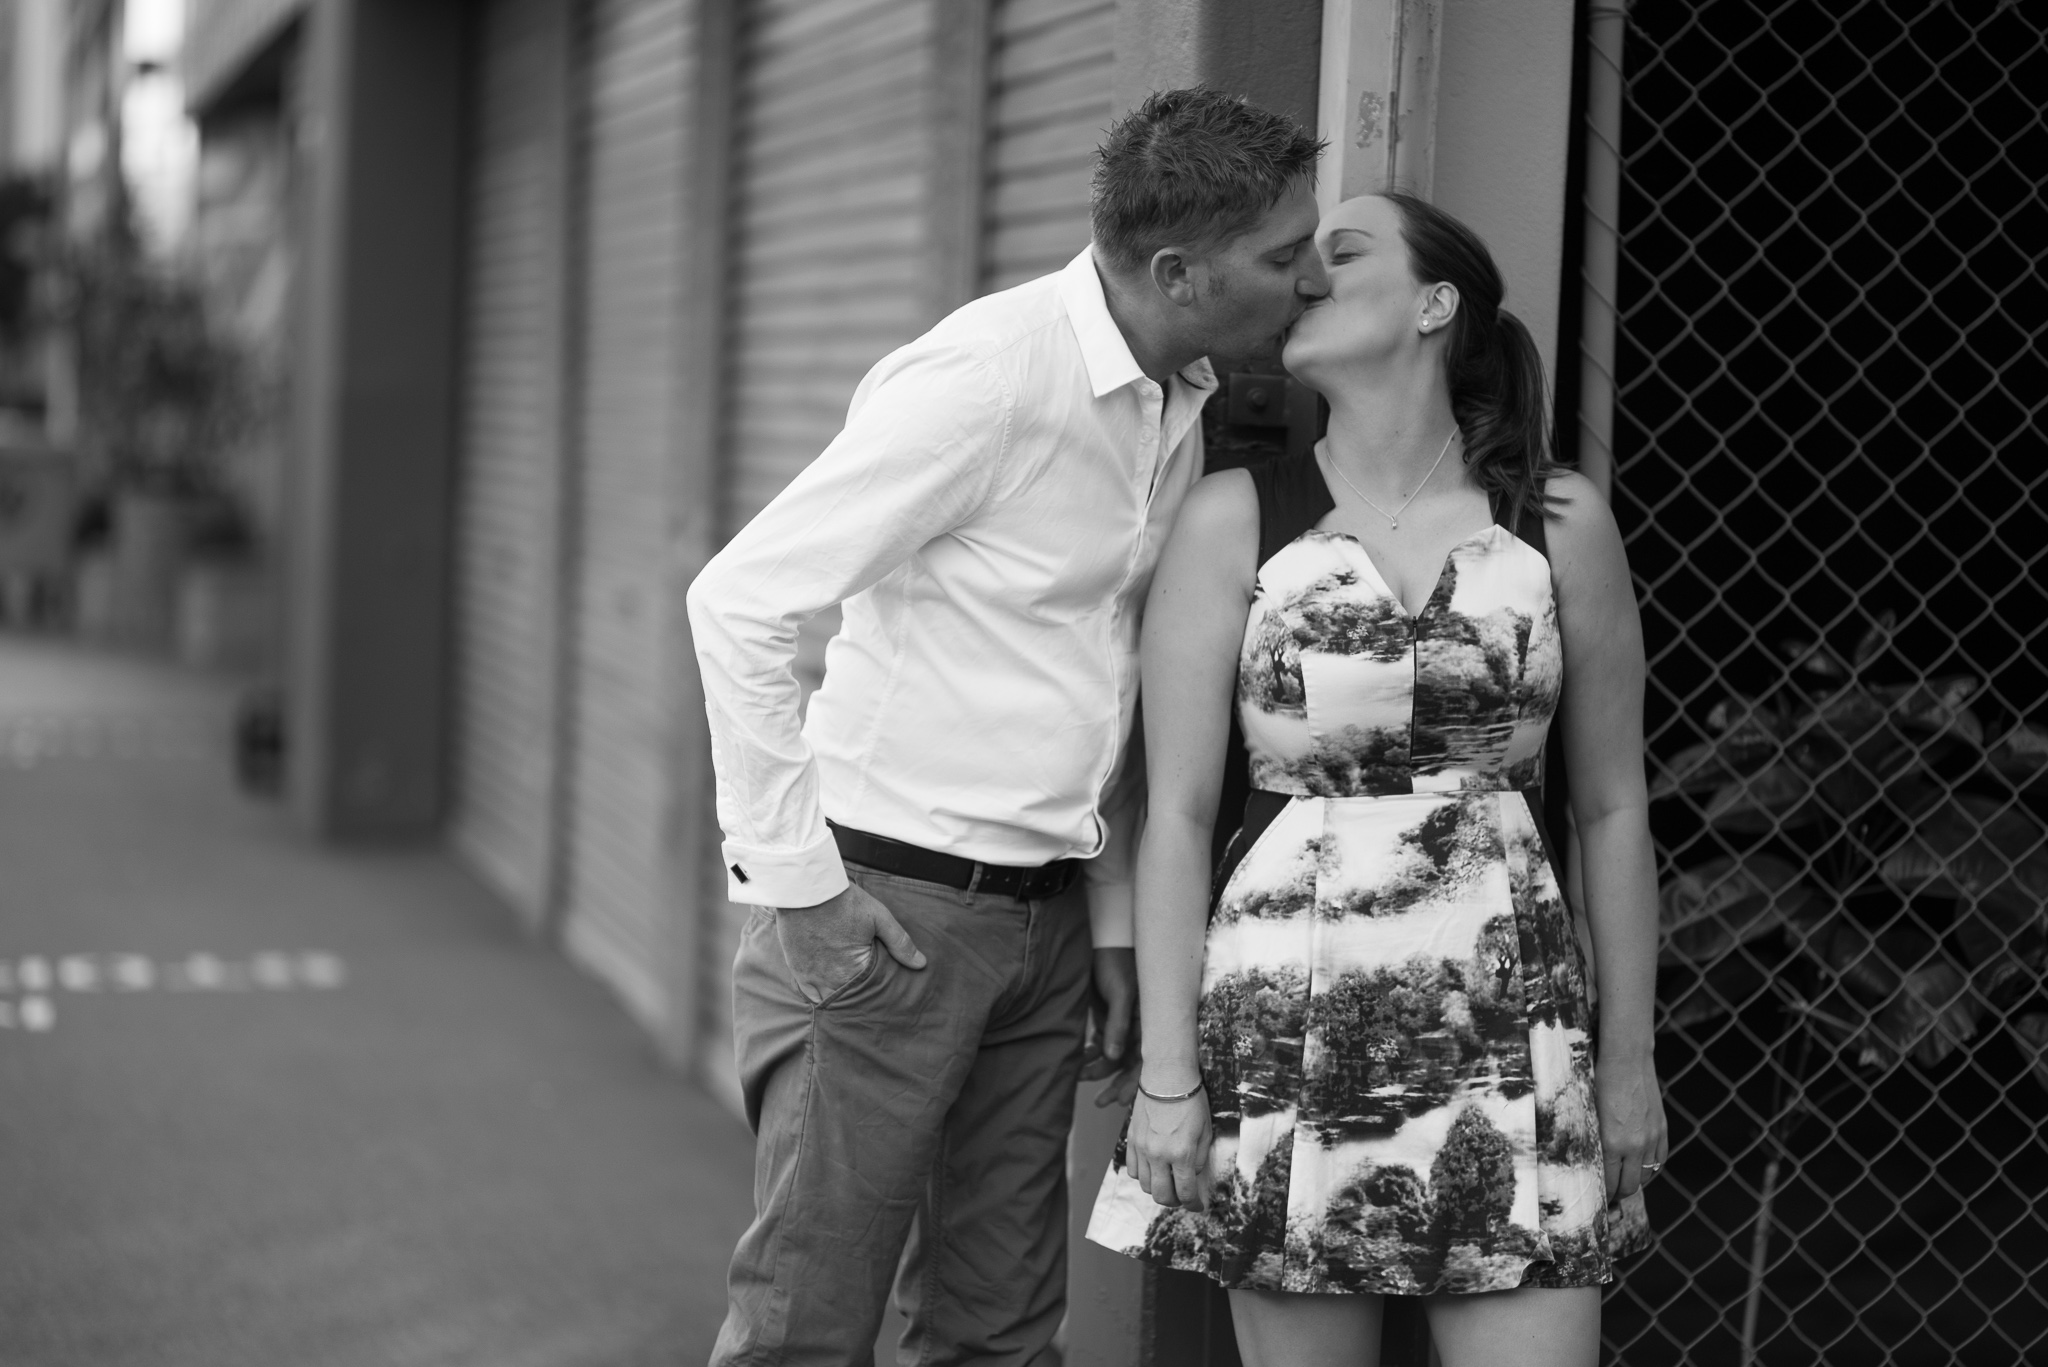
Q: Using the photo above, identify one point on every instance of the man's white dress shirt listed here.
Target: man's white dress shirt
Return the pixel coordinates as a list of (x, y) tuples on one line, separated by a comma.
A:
[(990, 518)]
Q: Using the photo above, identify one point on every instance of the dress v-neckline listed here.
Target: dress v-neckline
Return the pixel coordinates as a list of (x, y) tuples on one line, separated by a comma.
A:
[(1386, 584), (1386, 588)]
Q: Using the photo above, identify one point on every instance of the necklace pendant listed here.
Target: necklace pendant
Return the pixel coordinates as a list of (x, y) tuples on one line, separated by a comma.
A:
[(1394, 525)]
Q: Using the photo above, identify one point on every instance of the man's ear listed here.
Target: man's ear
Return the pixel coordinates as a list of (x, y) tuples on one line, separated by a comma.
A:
[(1172, 277)]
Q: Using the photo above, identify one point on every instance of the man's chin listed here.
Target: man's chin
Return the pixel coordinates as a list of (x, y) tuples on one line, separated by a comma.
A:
[(1262, 355)]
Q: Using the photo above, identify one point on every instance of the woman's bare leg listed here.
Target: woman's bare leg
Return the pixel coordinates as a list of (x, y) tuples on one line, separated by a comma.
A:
[(1282, 1329), (1532, 1327)]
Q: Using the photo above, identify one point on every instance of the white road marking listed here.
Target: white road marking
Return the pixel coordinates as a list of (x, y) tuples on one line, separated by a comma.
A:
[(27, 741), (272, 970), (201, 971)]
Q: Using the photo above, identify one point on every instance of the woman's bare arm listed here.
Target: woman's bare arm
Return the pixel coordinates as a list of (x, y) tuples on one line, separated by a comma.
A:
[(1194, 626), (1603, 741)]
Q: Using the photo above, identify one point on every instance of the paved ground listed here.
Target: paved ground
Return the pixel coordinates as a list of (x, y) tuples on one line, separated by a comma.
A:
[(262, 1103)]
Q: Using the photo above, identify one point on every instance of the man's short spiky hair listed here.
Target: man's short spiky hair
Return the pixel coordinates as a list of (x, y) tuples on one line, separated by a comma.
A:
[(1192, 167)]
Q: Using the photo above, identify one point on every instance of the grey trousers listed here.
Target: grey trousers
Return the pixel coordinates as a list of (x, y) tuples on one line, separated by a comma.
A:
[(919, 1115)]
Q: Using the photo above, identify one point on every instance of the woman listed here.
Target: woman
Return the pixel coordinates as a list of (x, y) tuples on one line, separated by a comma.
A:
[(1369, 1069)]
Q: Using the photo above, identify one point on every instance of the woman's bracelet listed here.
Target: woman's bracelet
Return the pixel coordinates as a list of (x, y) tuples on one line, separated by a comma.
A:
[(1173, 1096)]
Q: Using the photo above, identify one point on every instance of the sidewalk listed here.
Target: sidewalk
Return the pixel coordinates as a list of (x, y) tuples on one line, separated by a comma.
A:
[(264, 1103)]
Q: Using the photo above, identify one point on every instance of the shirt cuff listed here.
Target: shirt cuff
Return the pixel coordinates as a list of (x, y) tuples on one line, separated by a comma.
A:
[(1111, 913), (781, 877)]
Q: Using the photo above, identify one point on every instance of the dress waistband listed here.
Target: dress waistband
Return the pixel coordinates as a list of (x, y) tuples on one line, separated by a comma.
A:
[(1262, 805), (1402, 788)]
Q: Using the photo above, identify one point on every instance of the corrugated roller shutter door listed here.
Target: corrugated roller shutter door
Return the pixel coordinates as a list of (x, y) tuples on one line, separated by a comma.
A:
[(633, 156), (829, 221), (1049, 101), (509, 497)]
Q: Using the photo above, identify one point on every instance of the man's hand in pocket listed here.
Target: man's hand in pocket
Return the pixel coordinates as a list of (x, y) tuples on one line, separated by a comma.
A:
[(828, 945)]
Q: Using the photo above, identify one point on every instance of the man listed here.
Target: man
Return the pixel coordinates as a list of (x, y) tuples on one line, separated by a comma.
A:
[(989, 518)]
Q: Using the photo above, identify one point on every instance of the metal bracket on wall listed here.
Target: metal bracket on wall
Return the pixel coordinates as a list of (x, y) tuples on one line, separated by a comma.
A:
[(1262, 400)]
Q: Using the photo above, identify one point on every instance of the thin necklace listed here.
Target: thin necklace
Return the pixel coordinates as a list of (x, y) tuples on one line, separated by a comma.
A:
[(1393, 518)]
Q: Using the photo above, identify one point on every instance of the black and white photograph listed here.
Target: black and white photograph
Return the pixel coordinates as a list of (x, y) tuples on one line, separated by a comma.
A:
[(1023, 683)]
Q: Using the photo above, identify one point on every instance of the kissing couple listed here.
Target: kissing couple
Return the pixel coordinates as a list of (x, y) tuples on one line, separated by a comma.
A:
[(1369, 1034)]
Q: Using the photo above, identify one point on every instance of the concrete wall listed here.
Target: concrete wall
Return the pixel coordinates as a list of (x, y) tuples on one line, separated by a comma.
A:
[(1503, 135), (1265, 50), (374, 394)]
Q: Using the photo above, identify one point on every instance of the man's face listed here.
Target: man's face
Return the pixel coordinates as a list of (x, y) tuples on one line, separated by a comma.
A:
[(1250, 289)]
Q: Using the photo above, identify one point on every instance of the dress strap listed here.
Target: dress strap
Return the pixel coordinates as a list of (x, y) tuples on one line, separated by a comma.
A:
[(1293, 497), (1523, 523)]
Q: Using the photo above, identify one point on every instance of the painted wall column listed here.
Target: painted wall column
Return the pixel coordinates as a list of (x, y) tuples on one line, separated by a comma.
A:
[(958, 152), (1606, 29), (695, 874), (1467, 103), (373, 419), (1377, 103), (1265, 52)]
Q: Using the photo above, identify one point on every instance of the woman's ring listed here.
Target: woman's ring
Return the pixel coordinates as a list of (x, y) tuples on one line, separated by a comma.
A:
[(1652, 1169)]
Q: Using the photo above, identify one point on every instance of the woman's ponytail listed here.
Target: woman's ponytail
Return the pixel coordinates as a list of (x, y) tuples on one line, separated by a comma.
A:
[(1493, 369)]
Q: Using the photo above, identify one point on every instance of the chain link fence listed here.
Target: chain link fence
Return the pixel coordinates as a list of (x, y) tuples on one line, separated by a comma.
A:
[(1830, 470)]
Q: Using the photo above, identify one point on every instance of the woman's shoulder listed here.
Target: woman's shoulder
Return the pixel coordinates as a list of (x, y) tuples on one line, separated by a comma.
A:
[(1223, 505), (1575, 510), (1585, 549), (1216, 533), (1571, 493)]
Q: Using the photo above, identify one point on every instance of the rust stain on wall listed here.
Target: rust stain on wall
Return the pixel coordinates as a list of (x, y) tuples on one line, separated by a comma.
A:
[(1372, 114)]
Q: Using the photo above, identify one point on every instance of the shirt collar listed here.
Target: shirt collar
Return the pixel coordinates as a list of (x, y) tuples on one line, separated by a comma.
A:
[(1103, 348)]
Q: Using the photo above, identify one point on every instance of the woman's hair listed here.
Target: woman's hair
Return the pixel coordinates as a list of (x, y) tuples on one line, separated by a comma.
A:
[(1491, 364)]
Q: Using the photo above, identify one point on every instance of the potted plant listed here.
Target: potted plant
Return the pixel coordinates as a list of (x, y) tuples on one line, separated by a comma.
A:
[(161, 396), (1881, 878)]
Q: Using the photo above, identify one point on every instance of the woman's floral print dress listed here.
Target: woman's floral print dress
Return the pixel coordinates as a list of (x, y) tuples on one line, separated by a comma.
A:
[(1394, 1025)]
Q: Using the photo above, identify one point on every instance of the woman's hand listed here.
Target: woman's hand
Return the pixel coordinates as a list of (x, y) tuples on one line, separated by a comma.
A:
[(1194, 632), (1632, 1134), (1167, 1149)]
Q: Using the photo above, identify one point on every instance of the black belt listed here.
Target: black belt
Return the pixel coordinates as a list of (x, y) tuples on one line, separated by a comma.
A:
[(950, 870)]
